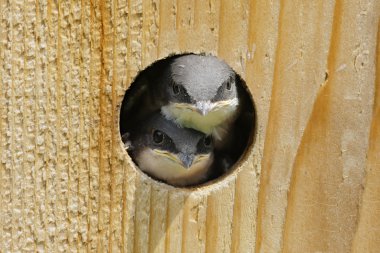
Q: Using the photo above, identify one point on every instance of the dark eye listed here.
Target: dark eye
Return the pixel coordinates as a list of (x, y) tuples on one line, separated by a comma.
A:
[(176, 89), (228, 85), (158, 136), (207, 141)]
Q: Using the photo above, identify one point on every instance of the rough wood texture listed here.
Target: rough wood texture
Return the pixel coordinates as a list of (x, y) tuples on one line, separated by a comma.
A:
[(310, 184)]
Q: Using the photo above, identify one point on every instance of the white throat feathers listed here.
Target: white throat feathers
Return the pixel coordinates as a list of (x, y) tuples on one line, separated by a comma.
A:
[(207, 117)]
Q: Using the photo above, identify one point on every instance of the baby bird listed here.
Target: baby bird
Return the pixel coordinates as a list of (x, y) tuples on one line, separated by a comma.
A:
[(200, 93), (175, 155)]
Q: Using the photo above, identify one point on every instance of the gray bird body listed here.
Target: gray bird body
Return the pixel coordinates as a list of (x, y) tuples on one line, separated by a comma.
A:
[(178, 156)]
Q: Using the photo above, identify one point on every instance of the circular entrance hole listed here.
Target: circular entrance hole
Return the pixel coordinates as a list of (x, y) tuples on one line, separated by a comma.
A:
[(188, 120)]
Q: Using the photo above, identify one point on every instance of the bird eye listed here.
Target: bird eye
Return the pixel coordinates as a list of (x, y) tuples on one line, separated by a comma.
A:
[(207, 141), (158, 136), (176, 89), (228, 85)]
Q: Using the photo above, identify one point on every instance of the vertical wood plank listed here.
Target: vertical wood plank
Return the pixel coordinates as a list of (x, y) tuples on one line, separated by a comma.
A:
[(132, 183), (194, 224), (94, 90), (174, 222), (142, 215), (129, 186), (84, 126), (326, 184), (150, 31), (2, 132), (244, 209), (6, 155), (41, 131), (134, 45), (197, 24), (233, 33), (30, 126), (219, 219), (366, 237), (299, 71), (119, 50), (105, 131), (204, 35), (52, 175), (64, 167), (158, 222), (129, 206), (15, 115), (168, 38), (184, 23), (74, 104)]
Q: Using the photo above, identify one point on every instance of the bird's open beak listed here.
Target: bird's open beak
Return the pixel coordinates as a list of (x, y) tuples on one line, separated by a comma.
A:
[(187, 160)]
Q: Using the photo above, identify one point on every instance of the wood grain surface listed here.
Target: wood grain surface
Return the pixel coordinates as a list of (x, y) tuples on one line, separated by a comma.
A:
[(310, 182)]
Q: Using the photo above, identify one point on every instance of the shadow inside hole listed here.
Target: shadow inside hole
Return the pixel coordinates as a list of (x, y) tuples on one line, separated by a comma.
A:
[(143, 97)]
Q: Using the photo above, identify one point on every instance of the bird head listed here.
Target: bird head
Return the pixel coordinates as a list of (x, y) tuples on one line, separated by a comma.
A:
[(170, 153), (200, 90)]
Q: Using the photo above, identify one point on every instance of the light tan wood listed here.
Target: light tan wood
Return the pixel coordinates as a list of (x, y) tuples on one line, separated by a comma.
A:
[(310, 183)]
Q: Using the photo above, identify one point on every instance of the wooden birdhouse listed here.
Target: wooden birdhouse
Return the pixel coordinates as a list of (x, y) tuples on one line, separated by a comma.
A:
[(310, 182)]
